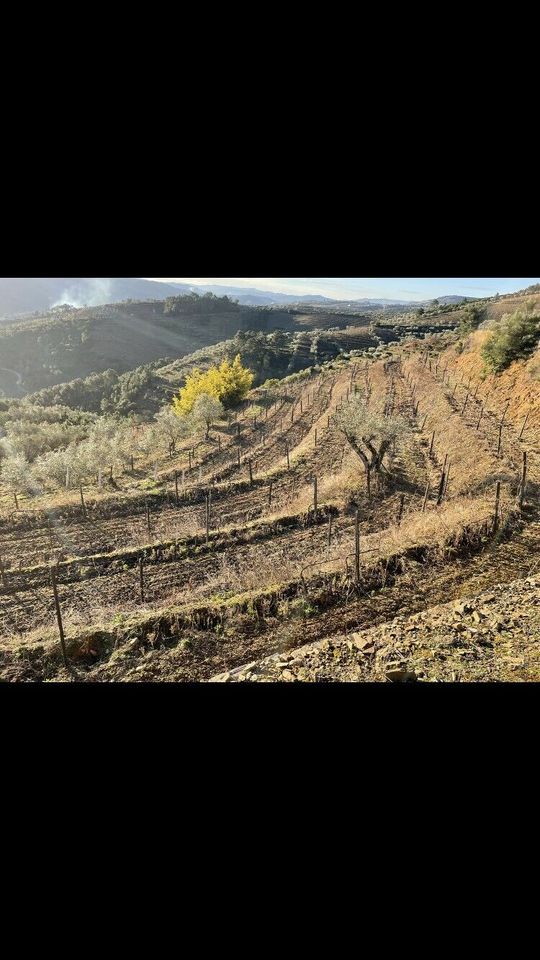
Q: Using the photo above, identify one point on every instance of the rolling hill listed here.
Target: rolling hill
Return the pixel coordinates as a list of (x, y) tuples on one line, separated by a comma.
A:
[(262, 553), (68, 344), (23, 295), (266, 546)]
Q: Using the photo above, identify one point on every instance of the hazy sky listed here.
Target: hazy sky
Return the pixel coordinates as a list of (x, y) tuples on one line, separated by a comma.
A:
[(391, 288)]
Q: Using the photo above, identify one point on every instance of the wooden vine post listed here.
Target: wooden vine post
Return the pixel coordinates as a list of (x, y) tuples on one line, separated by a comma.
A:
[(288, 457), (357, 547), (426, 495), (401, 509), (330, 530), (250, 465), (207, 518), (442, 484), (523, 427), (141, 577), (177, 498), (480, 417), (315, 498), (59, 617), (83, 504), (3, 573), (445, 494), (270, 493), (523, 482), (432, 443), (497, 507)]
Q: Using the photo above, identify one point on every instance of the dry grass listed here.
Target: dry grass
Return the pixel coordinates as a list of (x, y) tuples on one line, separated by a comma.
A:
[(438, 526), (473, 464), (516, 388)]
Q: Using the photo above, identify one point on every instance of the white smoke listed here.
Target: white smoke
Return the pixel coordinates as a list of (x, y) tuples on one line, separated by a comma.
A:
[(87, 293)]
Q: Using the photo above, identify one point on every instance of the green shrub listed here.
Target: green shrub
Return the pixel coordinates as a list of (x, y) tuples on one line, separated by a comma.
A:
[(514, 337), (533, 368), (471, 320)]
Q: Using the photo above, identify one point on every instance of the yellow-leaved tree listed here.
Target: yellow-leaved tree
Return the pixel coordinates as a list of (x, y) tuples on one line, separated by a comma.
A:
[(229, 383)]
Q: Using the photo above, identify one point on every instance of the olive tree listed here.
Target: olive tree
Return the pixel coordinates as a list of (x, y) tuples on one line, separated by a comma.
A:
[(111, 442), (172, 428), (371, 435), (16, 472), (206, 410)]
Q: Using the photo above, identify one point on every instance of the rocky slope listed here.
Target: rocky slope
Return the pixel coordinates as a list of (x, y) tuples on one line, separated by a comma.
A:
[(492, 637)]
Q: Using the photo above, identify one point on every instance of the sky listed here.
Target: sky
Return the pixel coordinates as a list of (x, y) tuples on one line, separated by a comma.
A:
[(357, 288)]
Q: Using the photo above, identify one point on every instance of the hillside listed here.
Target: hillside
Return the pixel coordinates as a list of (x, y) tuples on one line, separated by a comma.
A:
[(26, 295), (142, 391), (66, 344), (271, 546), (22, 296), (491, 637), (318, 337)]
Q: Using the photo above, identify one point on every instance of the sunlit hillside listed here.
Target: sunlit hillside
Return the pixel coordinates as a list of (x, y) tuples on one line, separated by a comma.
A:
[(352, 514)]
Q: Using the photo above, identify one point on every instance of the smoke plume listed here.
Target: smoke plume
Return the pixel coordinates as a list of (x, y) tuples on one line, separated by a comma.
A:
[(87, 293)]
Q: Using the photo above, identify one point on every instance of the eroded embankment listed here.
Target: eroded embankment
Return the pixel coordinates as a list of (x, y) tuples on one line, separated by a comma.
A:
[(491, 637)]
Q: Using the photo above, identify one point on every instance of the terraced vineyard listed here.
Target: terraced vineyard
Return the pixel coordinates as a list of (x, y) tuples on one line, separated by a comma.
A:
[(267, 537)]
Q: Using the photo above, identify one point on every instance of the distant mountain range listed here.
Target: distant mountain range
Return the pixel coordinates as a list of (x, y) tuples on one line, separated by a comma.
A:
[(253, 297), (24, 295)]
